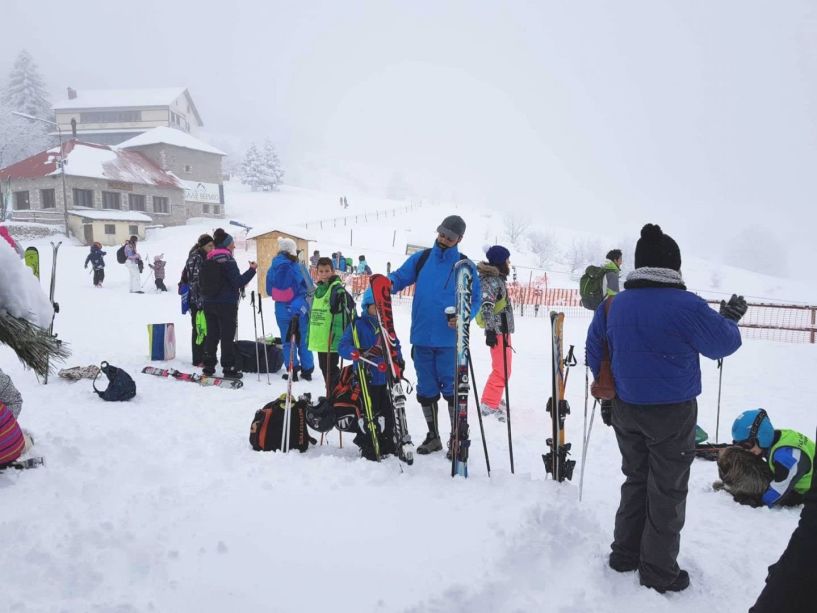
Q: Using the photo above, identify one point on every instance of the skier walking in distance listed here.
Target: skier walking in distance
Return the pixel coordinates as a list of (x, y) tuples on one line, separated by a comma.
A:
[(496, 316), (656, 331), (96, 258), (134, 265), (433, 335)]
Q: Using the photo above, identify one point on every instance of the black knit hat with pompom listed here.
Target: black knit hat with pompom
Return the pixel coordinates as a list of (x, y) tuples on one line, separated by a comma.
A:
[(656, 250)]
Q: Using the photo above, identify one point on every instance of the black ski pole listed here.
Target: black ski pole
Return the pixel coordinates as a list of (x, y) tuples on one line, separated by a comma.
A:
[(263, 333), (505, 348), (255, 337), (479, 413), (718, 416)]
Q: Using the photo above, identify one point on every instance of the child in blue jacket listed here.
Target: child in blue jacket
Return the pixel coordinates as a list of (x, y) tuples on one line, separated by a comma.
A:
[(97, 260), (370, 349)]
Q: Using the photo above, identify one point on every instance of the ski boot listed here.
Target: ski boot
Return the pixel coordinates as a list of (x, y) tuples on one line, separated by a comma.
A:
[(430, 445)]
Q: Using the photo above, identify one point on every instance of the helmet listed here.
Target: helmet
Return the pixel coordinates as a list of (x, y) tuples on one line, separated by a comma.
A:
[(755, 425), (321, 415)]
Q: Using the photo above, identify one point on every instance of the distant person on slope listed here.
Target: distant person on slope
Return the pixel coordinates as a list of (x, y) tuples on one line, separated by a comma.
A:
[(97, 260), (220, 283), (655, 332), (433, 336), (158, 268), (313, 261), (287, 287), (496, 316), (190, 276), (363, 266), (134, 265)]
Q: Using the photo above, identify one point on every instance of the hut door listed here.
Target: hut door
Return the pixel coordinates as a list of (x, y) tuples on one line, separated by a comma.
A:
[(88, 229)]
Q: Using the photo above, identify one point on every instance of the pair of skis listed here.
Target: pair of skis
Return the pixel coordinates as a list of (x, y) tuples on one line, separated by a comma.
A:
[(556, 462), (204, 380)]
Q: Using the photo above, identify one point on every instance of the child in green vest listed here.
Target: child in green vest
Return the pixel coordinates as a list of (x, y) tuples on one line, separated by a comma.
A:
[(790, 456), (332, 310)]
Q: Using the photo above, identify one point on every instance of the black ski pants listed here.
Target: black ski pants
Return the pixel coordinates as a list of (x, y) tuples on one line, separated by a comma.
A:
[(790, 585), (328, 361), (222, 320), (657, 445), (99, 276)]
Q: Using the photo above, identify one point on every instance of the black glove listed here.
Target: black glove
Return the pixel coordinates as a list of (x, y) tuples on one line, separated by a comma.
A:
[(293, 328), (734, 309), (141, 266), (607, 412), (490, 338)]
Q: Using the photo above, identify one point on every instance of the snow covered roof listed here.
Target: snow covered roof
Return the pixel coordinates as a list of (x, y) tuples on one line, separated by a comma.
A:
[(169, 136), (94, 161), (108, 214), (125, 98)]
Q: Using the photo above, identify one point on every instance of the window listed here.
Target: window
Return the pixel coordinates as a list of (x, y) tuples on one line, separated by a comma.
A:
[(110, 116), (161, 204), (84, 197), (205, 208), (136, 202), (47, 199), (111, 200), (110, 228), (21, 202), (133, 230), (188, 168), (215, 209)]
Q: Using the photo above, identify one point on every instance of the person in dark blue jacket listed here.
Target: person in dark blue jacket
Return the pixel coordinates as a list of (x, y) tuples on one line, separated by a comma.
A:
[(433, 336), (97, 260), (287, 287), (221, 307), (655, 332), (371, 349)]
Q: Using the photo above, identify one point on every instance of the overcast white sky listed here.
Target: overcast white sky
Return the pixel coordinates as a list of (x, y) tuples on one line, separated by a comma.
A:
[(699, 115)]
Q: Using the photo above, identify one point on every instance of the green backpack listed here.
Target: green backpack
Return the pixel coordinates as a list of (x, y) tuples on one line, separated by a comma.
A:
[(591, 287)]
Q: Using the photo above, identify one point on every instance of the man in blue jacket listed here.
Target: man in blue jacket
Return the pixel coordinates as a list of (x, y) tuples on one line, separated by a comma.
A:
[(655, 332), (433, 337), (287, 287)]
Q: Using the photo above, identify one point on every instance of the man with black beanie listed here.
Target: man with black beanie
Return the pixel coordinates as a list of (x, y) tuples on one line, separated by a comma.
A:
[(656, 332)]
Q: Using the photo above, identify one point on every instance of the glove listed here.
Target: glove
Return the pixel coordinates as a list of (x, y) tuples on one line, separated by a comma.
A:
[(734, 309), (607, 412), (490, 338), (293, 328), (141, 266)]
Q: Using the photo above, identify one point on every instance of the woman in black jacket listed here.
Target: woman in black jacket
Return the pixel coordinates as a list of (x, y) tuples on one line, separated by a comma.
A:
[(190, 276)]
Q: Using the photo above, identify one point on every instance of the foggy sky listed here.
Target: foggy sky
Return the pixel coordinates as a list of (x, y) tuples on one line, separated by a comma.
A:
[(699, 115)]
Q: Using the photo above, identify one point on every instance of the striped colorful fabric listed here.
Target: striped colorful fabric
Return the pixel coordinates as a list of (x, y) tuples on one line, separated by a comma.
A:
[(162, 341), (12, 443)]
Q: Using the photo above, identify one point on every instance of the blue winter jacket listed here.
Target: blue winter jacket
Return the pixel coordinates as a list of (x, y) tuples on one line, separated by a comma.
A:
[(368, 335), (655, 337), (233, 280), (435, 289), (285, 284), (96, 258)]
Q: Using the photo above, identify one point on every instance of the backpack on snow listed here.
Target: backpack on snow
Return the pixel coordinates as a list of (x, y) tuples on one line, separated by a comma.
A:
[(120, 385), (245, 356), (591, 287), (267, 426), (120, 255), (211, 278), (347, 399)]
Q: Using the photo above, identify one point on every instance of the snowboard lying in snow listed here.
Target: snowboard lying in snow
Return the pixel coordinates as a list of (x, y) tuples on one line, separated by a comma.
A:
[(193, 377)]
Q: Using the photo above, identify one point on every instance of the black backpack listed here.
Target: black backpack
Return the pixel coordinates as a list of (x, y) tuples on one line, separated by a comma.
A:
[(211, 278), (120, 255), (120, 385), (267, 426), (245, 357)]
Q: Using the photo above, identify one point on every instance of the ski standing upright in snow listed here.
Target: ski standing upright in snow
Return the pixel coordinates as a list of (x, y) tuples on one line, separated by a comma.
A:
[(381, 291), (54, 250), (291, 372), (464, 272), (556, 462)]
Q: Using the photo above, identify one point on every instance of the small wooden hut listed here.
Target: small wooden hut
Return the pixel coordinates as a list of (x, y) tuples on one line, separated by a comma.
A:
[(266, 248)]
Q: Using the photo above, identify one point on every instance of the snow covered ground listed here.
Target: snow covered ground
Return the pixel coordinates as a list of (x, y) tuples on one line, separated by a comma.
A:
[(159, 504)]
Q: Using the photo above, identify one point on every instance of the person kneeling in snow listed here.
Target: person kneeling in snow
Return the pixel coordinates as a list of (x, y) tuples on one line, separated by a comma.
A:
[(370, 349), (790, 456), (13, 440)]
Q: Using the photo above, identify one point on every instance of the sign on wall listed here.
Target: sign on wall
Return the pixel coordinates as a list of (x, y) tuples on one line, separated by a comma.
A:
[(196, 191)]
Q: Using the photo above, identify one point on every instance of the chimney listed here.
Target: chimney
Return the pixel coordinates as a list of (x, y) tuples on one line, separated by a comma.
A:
[(72, 93)]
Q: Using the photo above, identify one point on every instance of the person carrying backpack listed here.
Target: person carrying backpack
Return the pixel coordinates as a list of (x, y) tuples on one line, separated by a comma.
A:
[(190, 276), (133, 262), (599, 282), (219, 285), (97, 261), (433, 336), (332, 310), (288, 288)]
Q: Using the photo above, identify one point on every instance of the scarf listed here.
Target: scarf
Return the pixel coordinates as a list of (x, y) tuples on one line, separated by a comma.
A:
[(654, 277)]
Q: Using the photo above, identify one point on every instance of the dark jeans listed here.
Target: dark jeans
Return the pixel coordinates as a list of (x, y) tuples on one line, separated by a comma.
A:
[(198, 350), (222, 320), (329, 368), (99, 276), (655, 443), (160, 285)]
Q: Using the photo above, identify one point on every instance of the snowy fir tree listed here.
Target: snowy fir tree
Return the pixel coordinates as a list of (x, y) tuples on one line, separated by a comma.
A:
[(251, 168), (271, 171), (25, 93)]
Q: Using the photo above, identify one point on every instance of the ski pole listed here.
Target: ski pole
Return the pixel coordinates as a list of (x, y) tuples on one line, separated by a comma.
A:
[(505, 337), (479, 414), (288, 403), (586, 396), (255, 337), (584, 449), (718, 415), (264, 334), (328, 371)]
